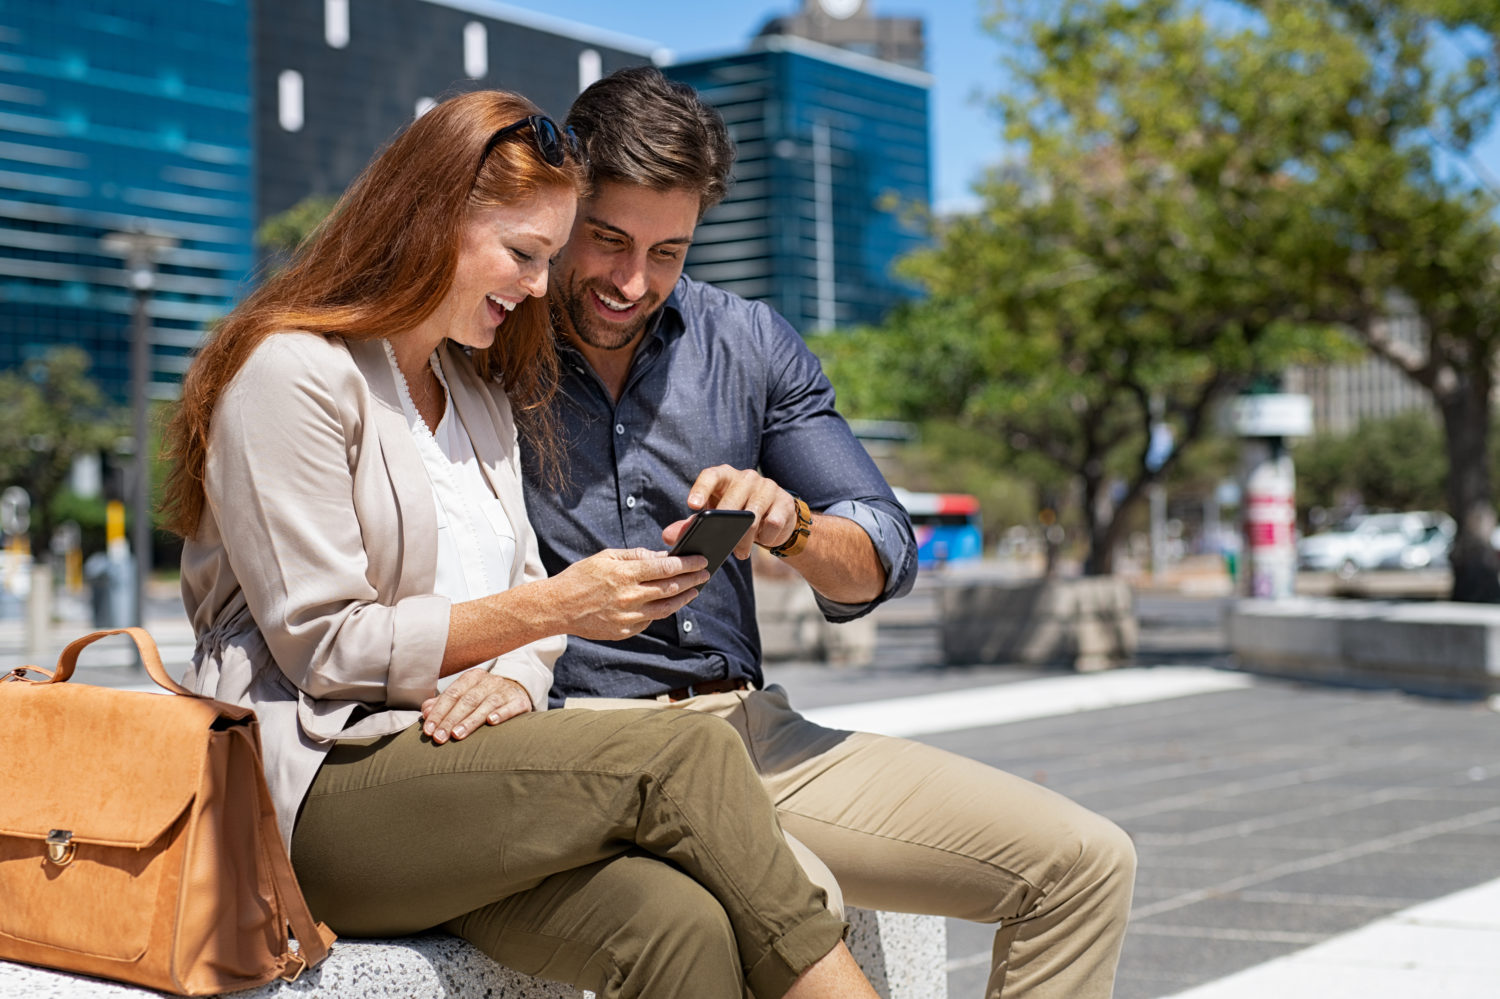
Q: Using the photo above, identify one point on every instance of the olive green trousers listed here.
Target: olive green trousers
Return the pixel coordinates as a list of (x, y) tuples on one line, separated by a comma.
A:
[(633, 853)]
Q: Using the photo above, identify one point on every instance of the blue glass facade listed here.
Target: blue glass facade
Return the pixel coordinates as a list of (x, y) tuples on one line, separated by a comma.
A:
[(119, 115), (833, 149)]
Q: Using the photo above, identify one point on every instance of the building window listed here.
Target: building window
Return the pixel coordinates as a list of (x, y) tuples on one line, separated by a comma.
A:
[(289, 100), (590, 68), (336, 23), (476, 50), (424, 105)]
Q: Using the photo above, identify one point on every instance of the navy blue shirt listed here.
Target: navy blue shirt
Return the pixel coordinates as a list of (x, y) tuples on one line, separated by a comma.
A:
[(719, 380)]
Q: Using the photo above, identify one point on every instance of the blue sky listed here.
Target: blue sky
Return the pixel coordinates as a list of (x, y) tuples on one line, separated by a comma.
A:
[(961, 57)]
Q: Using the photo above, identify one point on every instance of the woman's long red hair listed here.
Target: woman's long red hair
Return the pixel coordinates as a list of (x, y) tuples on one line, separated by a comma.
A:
[(379, 264)]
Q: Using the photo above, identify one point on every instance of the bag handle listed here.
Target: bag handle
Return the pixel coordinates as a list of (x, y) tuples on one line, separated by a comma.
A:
[(149, 655)]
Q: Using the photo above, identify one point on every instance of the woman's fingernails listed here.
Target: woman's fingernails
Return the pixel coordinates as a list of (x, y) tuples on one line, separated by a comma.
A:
[(458, 732), (495, 718), (429, 728)]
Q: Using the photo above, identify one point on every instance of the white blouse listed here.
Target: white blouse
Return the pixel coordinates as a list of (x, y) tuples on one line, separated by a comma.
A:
[(476, 543)]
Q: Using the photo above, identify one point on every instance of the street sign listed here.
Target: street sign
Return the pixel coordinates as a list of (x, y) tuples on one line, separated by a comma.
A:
[(1273, 415)]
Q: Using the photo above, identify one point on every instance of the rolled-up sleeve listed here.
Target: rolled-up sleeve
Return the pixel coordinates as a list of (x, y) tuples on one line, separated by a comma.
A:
[(890, 533), (809, 449), (280, 482)]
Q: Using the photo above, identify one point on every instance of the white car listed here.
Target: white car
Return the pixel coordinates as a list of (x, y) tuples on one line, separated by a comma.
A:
[(1415, 540)]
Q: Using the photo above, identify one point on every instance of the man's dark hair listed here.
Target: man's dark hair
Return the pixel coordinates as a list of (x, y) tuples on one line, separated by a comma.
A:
[(638, 127)]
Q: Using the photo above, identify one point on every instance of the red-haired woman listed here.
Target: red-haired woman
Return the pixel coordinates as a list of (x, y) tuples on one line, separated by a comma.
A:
[(359, 569)]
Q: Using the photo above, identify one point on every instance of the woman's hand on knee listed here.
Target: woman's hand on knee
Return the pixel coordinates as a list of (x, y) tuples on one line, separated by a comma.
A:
[(618, 592), (476, 697)]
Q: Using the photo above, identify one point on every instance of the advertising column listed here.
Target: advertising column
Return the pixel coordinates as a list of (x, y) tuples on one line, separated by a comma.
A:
[(1269, 490), (1270, 507)]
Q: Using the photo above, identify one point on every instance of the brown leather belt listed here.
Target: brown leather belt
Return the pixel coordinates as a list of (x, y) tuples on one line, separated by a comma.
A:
[(707, 687)]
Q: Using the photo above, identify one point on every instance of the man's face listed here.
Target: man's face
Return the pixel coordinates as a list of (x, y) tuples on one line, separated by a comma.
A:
[(623, 257)]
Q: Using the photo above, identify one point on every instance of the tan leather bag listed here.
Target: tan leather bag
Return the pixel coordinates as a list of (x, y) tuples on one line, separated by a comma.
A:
[(137, 837)]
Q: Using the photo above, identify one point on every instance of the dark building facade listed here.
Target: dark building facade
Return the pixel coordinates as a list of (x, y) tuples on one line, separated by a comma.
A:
[(336, 80), (833, 151)]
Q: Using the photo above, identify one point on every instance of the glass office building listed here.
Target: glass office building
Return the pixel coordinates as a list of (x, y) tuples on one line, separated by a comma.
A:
[(121, 115), (198, 119), (833, 154)]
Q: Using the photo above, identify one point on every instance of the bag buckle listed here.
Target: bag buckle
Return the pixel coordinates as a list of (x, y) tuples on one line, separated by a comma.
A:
[(60, 847), (292, 976)]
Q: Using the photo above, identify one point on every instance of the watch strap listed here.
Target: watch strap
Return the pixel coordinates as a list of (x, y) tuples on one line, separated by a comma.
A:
[(798, 541)]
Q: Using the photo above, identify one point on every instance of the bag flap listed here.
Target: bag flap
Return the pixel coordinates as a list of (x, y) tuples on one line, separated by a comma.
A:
[(112, 767)]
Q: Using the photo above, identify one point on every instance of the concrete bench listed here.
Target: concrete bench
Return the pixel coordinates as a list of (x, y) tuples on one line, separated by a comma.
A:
[(1431, 647), (905, 957)]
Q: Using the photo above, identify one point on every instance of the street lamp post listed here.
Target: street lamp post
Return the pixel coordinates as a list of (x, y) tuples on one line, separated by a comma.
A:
[(139, 248)]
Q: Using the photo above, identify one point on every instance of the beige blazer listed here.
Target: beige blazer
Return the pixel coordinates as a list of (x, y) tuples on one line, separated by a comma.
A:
[(309, 584)]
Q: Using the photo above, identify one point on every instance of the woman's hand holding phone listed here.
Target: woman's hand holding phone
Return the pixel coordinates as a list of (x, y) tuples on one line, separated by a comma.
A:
[(618, 592)]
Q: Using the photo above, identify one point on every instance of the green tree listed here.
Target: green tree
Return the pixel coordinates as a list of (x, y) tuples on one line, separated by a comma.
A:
[(283, 232), (50, 413), (1200, 193), (1347, 127), (1105, 286), (1395, 463), (1408, 210)]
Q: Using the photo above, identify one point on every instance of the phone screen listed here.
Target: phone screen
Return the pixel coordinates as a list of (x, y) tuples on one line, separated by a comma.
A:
[(713, 534)]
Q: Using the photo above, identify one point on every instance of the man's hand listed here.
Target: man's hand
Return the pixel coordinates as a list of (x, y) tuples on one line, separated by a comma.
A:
[(839, 561), (726, 488)]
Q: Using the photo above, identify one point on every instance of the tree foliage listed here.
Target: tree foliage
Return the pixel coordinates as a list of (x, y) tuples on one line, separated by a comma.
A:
[(1395, 463), (283, 232), (50, 413), (1202, 193)]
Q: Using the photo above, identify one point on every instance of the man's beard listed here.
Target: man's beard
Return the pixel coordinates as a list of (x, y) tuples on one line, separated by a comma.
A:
[(591, 330)]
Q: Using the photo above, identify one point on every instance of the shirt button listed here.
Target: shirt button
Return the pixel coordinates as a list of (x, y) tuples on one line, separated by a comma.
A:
[(630, 502), (619, 428), (687, 626)]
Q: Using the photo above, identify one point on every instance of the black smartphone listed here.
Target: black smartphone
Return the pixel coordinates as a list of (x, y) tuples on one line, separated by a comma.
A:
[(713, 534)]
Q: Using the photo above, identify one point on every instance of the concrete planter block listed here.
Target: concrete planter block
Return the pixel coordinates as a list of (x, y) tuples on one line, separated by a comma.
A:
[(1438, 648), (1087, 623)]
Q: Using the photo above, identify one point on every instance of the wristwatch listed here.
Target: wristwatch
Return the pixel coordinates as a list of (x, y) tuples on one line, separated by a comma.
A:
[(798, 541)]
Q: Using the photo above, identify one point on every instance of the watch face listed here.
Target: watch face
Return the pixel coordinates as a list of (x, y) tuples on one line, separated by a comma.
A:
[(841, 8)]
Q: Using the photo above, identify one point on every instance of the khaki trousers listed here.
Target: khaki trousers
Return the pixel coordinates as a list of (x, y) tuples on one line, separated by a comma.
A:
[(905, 827), (631, 853)]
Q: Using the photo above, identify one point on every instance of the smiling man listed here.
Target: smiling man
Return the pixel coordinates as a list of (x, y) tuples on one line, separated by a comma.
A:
[(678, 396)]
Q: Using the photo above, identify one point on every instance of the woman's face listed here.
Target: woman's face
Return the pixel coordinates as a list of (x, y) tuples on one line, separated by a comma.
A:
[(502, 258)]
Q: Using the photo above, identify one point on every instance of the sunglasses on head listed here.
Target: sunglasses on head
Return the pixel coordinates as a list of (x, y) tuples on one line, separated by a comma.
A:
[(553, 143)]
